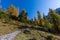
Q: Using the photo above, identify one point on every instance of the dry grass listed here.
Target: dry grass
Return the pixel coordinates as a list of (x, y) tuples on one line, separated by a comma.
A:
[(7, 28), (36, 34)]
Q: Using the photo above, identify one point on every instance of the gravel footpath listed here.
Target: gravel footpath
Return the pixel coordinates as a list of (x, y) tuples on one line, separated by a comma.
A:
[(10, 36)]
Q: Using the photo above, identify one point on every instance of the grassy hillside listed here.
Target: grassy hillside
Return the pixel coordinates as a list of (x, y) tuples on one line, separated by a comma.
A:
[(38, 35), (9, 24), (7, 28)]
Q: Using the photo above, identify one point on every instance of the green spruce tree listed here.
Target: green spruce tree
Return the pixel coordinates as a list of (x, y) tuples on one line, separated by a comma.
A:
[(39, 15), (23, 17), (54, 19)]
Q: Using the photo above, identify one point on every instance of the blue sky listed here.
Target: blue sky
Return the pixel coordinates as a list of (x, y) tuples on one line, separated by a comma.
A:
[(32, 6)]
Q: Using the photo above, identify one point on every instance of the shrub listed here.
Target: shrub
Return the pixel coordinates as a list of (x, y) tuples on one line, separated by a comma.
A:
[(32, 39), (49, 37), (4, 16)]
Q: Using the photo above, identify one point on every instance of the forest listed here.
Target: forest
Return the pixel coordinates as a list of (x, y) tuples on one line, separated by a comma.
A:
[(50, 22)]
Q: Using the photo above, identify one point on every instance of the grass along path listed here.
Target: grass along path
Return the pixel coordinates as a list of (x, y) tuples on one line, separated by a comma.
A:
[(38, 35), (7, 28)]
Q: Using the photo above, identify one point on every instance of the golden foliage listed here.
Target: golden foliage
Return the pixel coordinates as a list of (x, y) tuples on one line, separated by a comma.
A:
[(42, 22), (13, 11)]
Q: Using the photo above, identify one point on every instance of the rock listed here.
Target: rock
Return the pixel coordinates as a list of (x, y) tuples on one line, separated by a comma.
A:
[(27, 31), (42, 38), (32, 39)]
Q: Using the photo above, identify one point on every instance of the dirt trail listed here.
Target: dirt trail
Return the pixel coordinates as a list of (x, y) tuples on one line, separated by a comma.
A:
[(10, 36)]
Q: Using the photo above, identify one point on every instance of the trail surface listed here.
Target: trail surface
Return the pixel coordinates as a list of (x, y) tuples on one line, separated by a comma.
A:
[(10, 36)]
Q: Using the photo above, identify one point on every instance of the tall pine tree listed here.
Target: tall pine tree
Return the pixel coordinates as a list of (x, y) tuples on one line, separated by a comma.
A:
[(23, 16), (39, 15)]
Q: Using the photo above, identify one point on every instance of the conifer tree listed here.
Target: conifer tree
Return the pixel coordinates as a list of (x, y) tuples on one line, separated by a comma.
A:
[(23, 16), (54, 19), (44, 17), (39, 15)]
